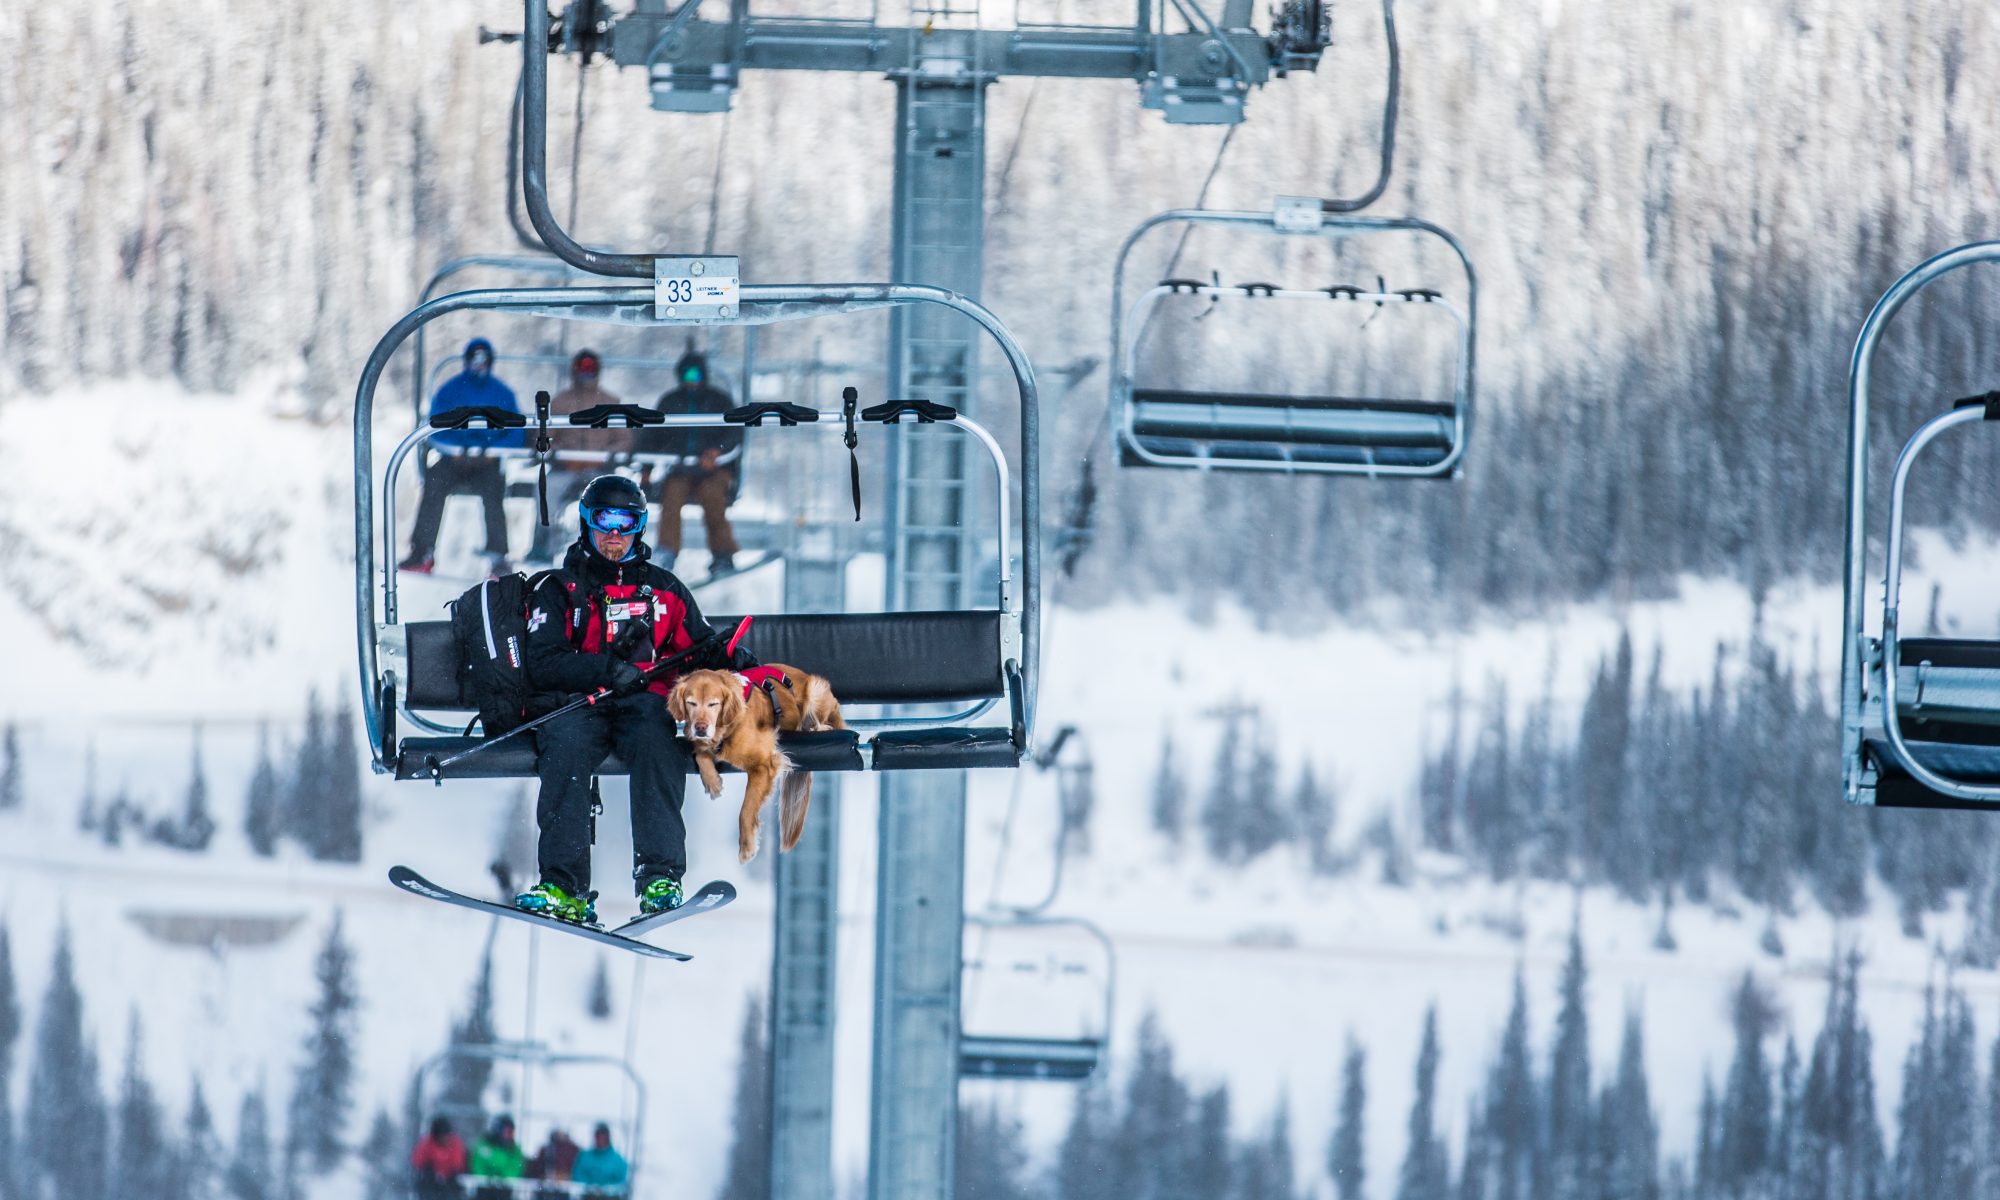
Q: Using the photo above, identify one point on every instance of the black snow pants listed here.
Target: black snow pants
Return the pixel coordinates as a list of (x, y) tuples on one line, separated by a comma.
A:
[(572, 748), (452, 475)]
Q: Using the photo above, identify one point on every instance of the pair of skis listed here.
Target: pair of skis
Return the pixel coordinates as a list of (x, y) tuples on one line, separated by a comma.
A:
[(709, 898)]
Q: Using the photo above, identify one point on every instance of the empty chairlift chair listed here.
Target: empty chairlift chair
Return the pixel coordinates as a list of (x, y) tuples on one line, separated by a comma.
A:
[(1249, 428), (1920, 717)]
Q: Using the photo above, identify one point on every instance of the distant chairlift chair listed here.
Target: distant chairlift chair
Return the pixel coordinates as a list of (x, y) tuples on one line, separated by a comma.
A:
[(1925, 734), (1246, 430)]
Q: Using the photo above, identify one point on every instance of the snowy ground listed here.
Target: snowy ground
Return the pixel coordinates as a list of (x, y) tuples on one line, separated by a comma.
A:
[(1258, 974)]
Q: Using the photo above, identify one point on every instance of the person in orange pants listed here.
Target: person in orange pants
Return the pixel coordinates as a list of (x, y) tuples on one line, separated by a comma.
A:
[(707, 471)]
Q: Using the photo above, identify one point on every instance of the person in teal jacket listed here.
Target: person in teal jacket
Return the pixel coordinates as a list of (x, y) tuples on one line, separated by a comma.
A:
[(601, 1166)]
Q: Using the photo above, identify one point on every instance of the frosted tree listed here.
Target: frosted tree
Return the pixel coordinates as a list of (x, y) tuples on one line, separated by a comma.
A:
[(341, 837), (1571, 1149), (308, 802), (263, 805), (1347, 1152), (1264, 822), (252, 1174), (466, 1075), (1512, 1116), (747, 1175), (199, 1163), (1083, 1167), (196, 826), (1313, 812), (323, 1095), (1222, 807), (66, 1129), (1147, 1148), (599, 1003), (86, 807), (1169, 799), (384, 1161), (1744, 1134), (1210, 1167), (10, 768), (143, 1161), (1264, 1170), (991, 1162), (1630, 1139), (1425, 1173), (13, 1182)]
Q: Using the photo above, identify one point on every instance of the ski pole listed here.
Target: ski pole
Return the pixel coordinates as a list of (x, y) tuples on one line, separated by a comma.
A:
[(436, 765)]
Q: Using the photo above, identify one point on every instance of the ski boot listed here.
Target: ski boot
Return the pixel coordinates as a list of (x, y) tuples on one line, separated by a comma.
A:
[(661, 895), (547, 900)]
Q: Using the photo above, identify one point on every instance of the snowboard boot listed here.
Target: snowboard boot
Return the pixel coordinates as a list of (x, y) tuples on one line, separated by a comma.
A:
[(661, 895), (548, 900)]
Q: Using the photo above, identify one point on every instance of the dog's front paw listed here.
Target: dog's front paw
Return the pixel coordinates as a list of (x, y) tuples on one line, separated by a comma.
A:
[(745, 851)]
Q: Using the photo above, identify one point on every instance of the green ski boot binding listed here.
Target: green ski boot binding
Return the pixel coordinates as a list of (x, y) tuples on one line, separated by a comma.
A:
[(661, 895), (548, 900)]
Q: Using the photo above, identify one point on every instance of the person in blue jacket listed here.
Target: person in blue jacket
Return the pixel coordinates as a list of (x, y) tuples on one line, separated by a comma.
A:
[(600, 1168), (460, 469)]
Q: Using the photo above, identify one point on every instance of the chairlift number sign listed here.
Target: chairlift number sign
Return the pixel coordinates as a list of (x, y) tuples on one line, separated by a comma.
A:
[(695, 288)]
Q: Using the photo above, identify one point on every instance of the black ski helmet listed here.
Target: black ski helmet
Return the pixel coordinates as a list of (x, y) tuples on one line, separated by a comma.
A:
[(611, 504)]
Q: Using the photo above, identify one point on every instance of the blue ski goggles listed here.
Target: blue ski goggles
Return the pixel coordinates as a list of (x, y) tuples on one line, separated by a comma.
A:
[(624, 521)]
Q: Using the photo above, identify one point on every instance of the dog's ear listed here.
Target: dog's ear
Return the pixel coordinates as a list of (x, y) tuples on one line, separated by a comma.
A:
[(677, 705), (732, 707)]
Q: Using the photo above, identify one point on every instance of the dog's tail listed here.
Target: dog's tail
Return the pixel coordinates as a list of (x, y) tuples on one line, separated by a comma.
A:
[(808, 706), (794, 797)]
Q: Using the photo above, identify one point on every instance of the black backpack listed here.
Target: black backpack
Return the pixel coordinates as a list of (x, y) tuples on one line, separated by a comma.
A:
[(489, 623)]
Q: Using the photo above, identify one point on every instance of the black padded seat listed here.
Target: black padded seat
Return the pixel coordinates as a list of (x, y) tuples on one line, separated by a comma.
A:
[(829, 750), (1950, 652), (1963, 763), (1293, 420), (957, 748)]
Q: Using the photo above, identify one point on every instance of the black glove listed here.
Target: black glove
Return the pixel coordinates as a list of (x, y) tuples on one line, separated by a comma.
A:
[(626, 679)]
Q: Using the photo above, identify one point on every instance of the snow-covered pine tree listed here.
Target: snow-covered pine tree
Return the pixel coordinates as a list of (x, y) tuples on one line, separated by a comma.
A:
[(384, 1161), (13, 1181), (1264, 1170), (1571, 1152), (1222, 807), (10, 768), (86, 805), (1082, 1169), (66, 1130), (1744, 1134), (598, 1005), (263, 805), (1630, 1140), (342, 827), (1513, 1116), (465, 1076), (1169, 802), (252, 1174), (308, 802), (199, 1164), (141, 1164), (1425, 1174), (992, 1160), (1264, 822), (323, 1095), (1147, 1150), (1314, 810), (1347, 1152), (748, 1173), (196, 826), (1210, 1169)]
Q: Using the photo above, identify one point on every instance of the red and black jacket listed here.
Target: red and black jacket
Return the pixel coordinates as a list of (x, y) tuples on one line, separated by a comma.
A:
[(576, 615)]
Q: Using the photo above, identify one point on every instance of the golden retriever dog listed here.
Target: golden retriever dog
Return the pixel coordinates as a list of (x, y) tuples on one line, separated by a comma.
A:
[(731, 717)]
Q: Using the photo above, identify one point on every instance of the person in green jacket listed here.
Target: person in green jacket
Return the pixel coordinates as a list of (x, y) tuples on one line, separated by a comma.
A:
[(600, 1166), (496, 1155)]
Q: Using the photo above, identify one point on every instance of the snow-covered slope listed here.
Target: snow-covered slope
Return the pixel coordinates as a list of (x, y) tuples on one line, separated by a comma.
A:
[(1257, 973)]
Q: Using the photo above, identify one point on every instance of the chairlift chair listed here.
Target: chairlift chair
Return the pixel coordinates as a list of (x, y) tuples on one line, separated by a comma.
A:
[(1245, 429), (1920, 717), (1065, 1060), (531, 1122), (971, 661)]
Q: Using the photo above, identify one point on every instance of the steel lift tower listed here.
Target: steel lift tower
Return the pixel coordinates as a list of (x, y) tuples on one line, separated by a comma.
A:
[(1194, 65)]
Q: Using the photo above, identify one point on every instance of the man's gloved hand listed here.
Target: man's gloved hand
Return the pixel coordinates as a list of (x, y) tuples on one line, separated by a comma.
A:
[(626, 679)]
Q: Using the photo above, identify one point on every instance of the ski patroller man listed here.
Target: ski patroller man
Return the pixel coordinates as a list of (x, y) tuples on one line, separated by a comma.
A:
[(608, 608), (457, 471)]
